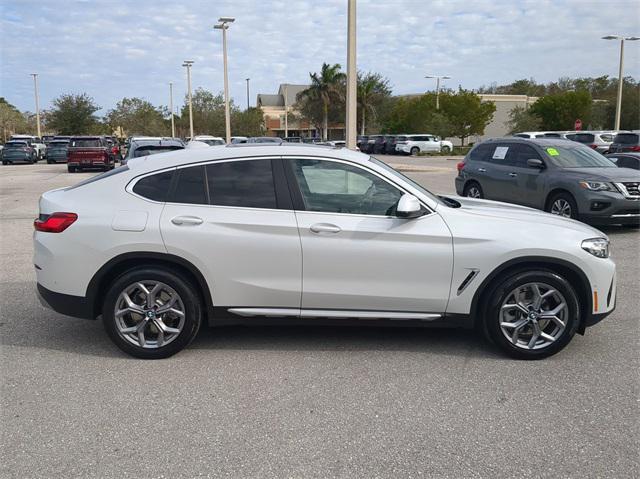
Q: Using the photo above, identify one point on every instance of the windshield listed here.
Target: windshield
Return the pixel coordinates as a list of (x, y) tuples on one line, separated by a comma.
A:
[(584, 138), (85, 143), (577, 157), (58, 144), (396, 173)]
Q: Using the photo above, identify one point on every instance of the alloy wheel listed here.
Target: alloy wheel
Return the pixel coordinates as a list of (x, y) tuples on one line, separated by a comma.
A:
[(561, 207), (473, 192), (149, 314), (533, 316)]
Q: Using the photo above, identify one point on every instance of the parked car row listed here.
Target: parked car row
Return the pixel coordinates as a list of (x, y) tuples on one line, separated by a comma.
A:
[(403, 144), (558, 176), (603, 141)]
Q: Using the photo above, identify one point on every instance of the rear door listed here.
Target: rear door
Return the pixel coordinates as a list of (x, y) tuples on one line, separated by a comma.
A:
[(498, 181), (233, 219), (525, 184), (358, 256)]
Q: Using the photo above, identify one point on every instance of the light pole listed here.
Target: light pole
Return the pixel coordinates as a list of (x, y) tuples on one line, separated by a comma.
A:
[(224, 26), (620, 79), (438, 78), (173, 125), (247, 79), (35, 86), (187, 64), (352, 112), (286, 112)]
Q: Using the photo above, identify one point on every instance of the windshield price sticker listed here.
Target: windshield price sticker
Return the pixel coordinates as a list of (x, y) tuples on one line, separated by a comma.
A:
[(552, 152), (500, 153)]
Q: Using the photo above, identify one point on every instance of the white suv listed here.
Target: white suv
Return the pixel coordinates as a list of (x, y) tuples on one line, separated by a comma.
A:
[(245, 233), (414, 144)]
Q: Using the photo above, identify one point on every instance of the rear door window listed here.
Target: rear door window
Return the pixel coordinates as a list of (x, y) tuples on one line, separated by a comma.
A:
[(191, 187), (245, 183), (481, 152), (499, 154), (584, 138)]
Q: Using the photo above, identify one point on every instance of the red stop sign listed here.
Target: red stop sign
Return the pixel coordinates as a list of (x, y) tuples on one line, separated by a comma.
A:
[(577, 125)]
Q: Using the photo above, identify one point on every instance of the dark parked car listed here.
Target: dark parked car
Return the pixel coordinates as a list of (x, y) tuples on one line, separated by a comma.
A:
[(293, 139), (150, 146), (626, 160), (390, 145), (89, 152), (18, 151), (564, 178), (57, 151), (361, 141), (264, 139), (380, 144), (625, 141)]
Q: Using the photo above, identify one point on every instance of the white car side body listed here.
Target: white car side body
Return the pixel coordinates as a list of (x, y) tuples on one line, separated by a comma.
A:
[(260, 258), (424, 143)]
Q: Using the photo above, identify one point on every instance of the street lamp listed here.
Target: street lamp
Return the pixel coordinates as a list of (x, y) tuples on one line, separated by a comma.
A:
[(619, 101), (247, 79), (438, 78), (352, 76), (173, 125), (35, 86), (224, 25), (187, 64)]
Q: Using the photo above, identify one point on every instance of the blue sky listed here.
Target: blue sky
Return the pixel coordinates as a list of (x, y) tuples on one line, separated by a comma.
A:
[(111, 49)]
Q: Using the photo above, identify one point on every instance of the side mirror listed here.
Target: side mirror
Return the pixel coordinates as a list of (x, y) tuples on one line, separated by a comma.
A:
[(408, 207), (535, 163)]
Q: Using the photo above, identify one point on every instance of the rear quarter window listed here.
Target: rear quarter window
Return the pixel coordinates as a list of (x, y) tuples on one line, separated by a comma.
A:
[(155, 187), (481, 152)]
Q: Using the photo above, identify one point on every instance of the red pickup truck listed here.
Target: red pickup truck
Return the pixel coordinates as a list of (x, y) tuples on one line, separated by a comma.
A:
[(87, 152)]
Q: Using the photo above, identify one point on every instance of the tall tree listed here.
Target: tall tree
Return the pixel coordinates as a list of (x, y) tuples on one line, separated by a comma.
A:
[(138, 116), (373, 89), (11, 119), (326, 87), (521, 119), (247, 122), (560, 111), (466, 113), (73, 114), (208, 113)]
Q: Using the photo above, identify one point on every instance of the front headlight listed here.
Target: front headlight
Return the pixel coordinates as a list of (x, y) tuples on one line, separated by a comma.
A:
[(597, 186), (598, 247)]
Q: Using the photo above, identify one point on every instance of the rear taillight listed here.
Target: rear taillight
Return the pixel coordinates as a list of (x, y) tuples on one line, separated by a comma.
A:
[(635, 148), (460, 166), (593, 146), (114, 150), (55, 223)]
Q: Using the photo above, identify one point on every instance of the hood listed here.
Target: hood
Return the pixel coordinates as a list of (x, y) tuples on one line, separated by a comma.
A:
[(496, 209), (606, 174)]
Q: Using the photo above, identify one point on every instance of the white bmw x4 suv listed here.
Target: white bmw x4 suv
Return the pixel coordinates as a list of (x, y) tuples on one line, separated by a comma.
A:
[(244, 233)]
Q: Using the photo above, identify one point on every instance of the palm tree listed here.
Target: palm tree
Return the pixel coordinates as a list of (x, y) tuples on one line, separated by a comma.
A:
[(325, 87), (372, 88)]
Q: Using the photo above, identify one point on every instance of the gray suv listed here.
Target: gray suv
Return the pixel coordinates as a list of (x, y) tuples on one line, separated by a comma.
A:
[(558, 176)]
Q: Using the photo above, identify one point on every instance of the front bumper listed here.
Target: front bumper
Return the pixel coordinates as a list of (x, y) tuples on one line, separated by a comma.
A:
[(609, 208), (75, 306)]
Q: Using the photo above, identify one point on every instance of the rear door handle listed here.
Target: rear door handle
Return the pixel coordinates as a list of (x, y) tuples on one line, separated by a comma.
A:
[(186, 220), (513, 175), (325, 228), (482, 170)]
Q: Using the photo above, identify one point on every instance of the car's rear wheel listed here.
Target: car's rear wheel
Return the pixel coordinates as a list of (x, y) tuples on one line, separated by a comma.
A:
[(152, 313), (445, 149), (414, 151), (563, 205), (71, 169), (532, 314), (473, 190)]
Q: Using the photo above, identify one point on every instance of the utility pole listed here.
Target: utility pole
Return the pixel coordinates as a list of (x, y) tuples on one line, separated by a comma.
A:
[(224, 26), (35, 85), (352, 91), (286, 112), (187, 64), (173, 125), (247, 79), (620, 69)]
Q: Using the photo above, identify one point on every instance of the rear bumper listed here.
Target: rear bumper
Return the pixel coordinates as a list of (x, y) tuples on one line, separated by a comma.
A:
[(75, 306)]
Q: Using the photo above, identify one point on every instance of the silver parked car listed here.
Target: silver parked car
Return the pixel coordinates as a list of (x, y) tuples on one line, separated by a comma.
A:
[(598, 140)]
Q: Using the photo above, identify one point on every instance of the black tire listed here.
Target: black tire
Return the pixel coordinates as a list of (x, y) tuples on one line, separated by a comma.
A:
[(188, 295), (5, 162), (499, 294), (470, 188), (414, 151), (558, 199), (50, 162), (71, 169), (445, 149)]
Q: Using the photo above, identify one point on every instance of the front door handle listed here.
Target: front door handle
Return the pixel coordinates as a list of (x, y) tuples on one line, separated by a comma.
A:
[(325, 228), (513, 175), (482, 170), (186, 220)]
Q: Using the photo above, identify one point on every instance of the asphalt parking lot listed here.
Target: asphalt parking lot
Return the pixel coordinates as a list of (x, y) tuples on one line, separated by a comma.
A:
[(306, 402)]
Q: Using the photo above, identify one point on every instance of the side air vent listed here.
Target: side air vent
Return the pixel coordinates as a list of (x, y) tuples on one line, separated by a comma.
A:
[(467, 281)]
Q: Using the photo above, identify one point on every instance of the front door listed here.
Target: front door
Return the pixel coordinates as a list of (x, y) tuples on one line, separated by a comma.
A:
[(227, 219), (357, 255)]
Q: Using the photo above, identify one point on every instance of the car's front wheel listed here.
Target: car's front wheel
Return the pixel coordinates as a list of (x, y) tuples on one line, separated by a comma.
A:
[(563, 205), (152, 313), (414, 151), (532, 314), (445, 149)]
